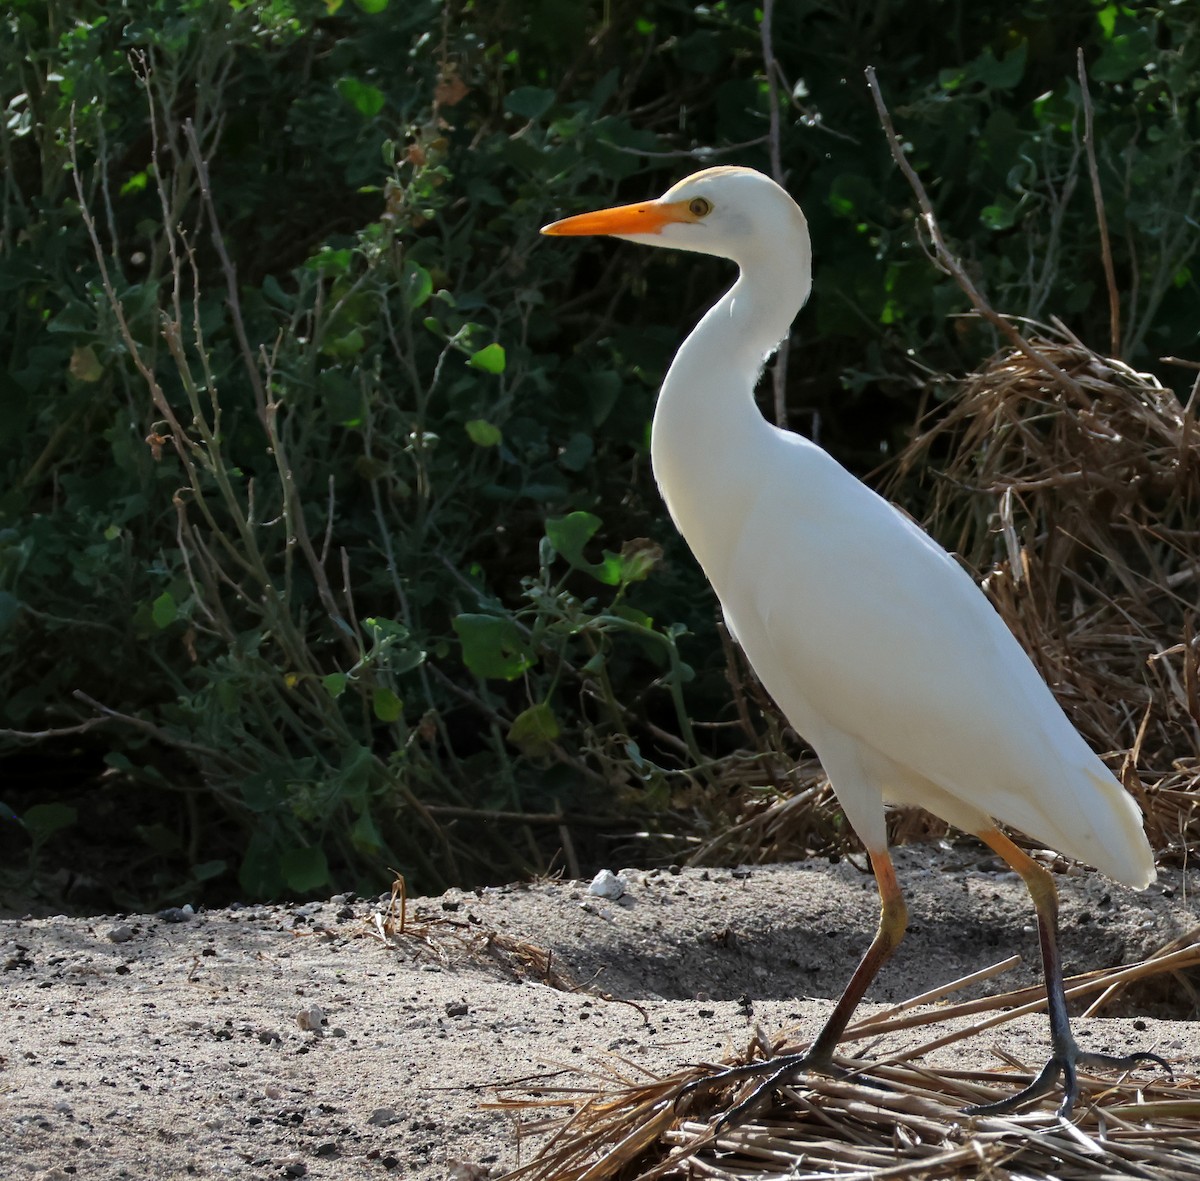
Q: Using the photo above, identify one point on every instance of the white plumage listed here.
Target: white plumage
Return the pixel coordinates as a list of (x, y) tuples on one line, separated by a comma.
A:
[(874, 642)]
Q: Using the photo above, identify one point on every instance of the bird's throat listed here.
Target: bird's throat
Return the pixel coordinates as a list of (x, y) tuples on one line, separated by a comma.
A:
[(706, 421)]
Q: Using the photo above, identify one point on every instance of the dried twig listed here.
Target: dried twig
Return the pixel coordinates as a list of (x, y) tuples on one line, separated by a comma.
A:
[(1110, 278), (780, 367), (887, 1119), (950, 264)]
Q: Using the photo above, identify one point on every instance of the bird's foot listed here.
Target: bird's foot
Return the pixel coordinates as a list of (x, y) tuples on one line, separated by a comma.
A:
[(1063, 1065), (770, 1073)]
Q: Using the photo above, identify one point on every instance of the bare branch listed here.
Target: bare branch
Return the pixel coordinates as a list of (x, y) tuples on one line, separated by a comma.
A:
[(780, 368), (946, 260), (1110, 278), (229, 271)]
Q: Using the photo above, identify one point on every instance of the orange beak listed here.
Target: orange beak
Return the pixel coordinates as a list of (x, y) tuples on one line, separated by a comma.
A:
[(646, 218)]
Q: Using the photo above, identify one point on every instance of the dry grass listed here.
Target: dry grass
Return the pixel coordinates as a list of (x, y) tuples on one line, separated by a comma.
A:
[(887, 1119), (444, 939)]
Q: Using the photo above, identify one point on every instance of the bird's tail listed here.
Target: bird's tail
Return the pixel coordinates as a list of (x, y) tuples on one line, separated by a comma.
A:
[(1109, 833)]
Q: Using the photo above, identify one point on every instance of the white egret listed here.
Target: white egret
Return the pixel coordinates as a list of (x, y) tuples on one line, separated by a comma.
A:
[(879, 648)]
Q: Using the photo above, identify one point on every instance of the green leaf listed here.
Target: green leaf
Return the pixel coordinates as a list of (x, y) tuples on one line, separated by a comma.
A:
[(482, 433), (85, 365), (570, 534), (372, 7), (386, 629), (365, 836), (638, 557), (490, 359), (386, 706), (260, 792), (602, 390), (367, 99), (44, 820), (493, 647), (344, 347), (578, 451), (1126, 54), (632, 615), (136, 183), (1000, 73), (258, 875), (274, 291), (331, 263), (416, 284), (999, 216), (164, 610), (335, 684), (534, 730), (304, 870), (530, 102)]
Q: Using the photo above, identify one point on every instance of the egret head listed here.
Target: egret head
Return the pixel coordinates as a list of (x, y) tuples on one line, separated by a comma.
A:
[(734, 213)]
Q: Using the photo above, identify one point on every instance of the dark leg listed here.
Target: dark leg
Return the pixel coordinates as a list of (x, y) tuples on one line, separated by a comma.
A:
[(1065, 1053), (893, 920)]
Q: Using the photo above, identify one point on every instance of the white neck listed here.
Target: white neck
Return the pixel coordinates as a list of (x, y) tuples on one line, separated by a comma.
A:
[(706, 416)]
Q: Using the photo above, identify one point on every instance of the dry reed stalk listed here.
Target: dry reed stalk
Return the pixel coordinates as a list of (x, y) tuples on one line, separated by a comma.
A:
[(442, 939), (884, 1119)]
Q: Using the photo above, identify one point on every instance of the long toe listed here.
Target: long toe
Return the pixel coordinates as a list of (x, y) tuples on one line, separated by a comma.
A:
[(757, 1095), (1122, 1061), (771, 1072), (1064, 1066), (769, 1067), (1042, 1085)]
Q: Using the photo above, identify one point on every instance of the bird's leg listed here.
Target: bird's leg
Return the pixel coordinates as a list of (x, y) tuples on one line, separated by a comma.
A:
[(893, 919), (1065, 1054)]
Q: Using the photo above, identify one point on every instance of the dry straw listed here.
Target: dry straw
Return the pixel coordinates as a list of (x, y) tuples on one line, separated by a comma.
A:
[(886, 1119)]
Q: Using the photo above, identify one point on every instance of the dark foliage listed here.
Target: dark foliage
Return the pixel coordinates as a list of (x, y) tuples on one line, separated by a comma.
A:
[(328, 542)]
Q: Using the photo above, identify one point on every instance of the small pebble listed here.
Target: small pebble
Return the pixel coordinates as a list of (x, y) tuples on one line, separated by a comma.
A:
[(121, 933), (607, 884), (312, 1019)]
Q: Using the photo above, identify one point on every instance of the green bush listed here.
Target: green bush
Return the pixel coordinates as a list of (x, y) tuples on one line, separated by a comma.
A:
[(328, 542)]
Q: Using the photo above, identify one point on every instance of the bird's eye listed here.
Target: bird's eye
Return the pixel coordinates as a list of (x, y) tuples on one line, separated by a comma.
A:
[(699, 206)]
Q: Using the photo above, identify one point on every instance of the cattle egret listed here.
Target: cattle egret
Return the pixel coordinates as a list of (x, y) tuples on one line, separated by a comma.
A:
[(876, 644)]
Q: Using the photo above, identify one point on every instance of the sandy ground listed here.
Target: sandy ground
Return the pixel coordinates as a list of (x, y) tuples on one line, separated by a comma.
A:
[(289, 1041)]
